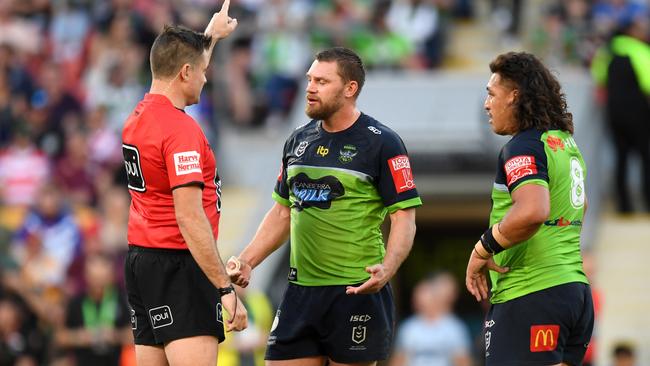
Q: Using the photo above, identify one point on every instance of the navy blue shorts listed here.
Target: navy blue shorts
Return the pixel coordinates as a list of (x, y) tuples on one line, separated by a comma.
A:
[(170, 297), (325, 321), (543, 328)]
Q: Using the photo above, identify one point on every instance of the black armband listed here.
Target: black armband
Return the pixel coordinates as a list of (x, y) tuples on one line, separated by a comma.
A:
[(226, 290), (490, 244)]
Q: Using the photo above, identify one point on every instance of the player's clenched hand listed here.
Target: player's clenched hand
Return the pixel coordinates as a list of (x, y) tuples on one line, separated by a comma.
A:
[(239, 271), (221, 25), (476, 275), (379, 276), (237, 314)]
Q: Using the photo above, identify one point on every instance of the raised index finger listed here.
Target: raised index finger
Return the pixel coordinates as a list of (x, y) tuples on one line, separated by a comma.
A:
[(225, 6)]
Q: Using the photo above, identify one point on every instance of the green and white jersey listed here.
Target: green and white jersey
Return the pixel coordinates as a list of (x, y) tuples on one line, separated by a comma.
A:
[(552, 256), (340, 187)]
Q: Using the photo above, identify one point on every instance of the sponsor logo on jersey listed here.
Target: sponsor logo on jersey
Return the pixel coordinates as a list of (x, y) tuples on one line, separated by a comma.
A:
[(347, 153), (543, 338), (187, 162), (133, 169), (161, 316), (322, 151), (315, 192), (301, 148), (374, 130), (561, 222), (400, 169), (554, 143), (518, 167)]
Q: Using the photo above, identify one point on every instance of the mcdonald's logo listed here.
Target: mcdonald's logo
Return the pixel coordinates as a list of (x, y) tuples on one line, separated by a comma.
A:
[(544, 338)]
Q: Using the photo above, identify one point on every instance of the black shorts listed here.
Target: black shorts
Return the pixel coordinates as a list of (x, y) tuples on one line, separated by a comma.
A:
[(325, 321), (546, 327), (170, 297)]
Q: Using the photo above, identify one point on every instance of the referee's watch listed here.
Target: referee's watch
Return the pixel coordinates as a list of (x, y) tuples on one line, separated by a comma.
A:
[(226, 290)]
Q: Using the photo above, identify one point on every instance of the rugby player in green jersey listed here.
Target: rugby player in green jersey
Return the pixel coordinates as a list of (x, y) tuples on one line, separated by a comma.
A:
[(542, 310), (341, 173)]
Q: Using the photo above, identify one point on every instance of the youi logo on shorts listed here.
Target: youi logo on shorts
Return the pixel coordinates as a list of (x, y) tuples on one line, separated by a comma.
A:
[(161, 316)]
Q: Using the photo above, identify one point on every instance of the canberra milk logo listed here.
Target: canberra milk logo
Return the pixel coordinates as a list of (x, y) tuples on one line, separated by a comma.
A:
[(161, 316), (315, 192)]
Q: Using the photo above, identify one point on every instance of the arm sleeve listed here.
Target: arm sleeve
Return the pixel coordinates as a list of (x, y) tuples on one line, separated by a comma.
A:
[(395, 182), (524, 162), (184, 157), (281, 191)]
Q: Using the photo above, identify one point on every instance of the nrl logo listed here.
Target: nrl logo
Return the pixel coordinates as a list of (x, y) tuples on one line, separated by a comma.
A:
[(301, 148), (358, 334), (347, 154)]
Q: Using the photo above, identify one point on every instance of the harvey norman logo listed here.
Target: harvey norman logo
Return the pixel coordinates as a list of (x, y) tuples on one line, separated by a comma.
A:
[(187, 162), (161, 316)]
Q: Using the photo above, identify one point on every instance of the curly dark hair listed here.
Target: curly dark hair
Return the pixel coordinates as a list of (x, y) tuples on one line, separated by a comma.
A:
[(540, 104)]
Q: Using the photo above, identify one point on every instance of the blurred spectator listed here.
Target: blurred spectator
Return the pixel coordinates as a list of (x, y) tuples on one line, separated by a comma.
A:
[(419, 22), (19, 343), (565, 35), (382, 47), (608, 14), (52, 105), (18, 79), (622, 69), (104, 145), (623, 354), (281, 52), (69, 29), (111, 80), (98, 322), (335, 21), (23, 168), (507, 16), (247, 348), (434, 336), (22, 34), (73, 172), (47, 243), (239, 78)]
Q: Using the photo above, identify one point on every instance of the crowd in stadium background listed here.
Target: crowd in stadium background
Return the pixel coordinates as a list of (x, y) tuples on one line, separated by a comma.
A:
[(72, 70)]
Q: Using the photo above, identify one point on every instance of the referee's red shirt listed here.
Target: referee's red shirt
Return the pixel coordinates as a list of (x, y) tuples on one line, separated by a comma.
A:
[(164, 149)]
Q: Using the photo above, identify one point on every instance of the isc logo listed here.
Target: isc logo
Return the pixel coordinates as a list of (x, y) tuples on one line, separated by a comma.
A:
[(161, 316), (360, 318)]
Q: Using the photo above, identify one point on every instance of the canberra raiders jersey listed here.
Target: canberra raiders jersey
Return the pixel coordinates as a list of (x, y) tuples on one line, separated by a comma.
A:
[(340, 187), (551, 257)]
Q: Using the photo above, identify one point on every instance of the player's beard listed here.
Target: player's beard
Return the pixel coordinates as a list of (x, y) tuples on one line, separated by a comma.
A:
[(324, 110)]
